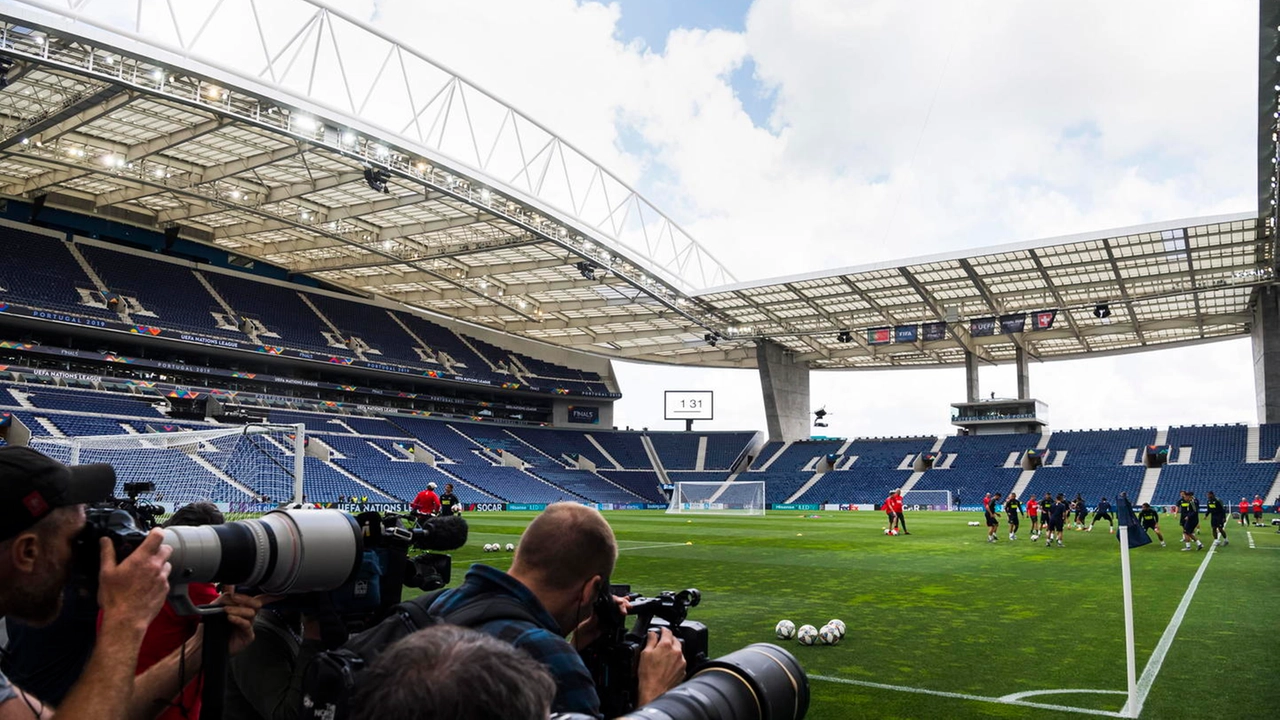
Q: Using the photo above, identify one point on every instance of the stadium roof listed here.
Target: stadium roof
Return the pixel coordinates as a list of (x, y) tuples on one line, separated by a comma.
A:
[(264, 129)]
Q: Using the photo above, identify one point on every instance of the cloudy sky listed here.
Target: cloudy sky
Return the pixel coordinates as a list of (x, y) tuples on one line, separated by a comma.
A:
[(794, 135)]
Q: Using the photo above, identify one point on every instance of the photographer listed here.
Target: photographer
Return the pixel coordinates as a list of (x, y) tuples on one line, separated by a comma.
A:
[(170, 630), (451, 673), (265, 681), (41, 514), (562, 564)]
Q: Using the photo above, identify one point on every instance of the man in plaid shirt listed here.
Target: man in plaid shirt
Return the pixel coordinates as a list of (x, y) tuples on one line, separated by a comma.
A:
[(562, 563)]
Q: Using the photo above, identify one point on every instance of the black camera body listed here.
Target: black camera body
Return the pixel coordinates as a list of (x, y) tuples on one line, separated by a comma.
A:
[(106, 520), (613, 658)]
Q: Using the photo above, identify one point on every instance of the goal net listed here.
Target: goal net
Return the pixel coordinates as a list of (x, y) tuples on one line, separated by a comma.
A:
[(928, 500), (249, 465), (743, 497)]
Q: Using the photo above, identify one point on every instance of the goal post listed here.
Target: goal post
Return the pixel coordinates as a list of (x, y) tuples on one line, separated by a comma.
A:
[(742, 497), (250, 464), (928, 500)]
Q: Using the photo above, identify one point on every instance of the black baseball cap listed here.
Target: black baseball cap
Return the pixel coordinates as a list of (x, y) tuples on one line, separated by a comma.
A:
[(32, 485)]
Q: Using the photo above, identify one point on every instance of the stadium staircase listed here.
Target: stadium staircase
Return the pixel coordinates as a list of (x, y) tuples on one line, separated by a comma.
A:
[(604, 453), (805, 488), (1252, 445), (654, 460), (122, 309), (701, 463)]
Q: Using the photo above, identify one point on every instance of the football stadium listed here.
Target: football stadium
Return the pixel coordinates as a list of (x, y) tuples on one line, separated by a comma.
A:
[(314, 268)]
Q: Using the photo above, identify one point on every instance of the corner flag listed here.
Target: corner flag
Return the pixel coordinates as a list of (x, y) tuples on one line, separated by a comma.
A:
[(1129, 523)]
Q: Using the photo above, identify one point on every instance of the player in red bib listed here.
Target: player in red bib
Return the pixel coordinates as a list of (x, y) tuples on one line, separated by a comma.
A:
[(1244, 511), (890, 511), (427, 502), (897, 510), (1033, 514), (1257, 510)]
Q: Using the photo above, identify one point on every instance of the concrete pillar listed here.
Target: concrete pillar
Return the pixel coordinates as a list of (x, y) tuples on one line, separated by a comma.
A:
[(1024, 375), (970, 377), (1266, 353), (785, 384)]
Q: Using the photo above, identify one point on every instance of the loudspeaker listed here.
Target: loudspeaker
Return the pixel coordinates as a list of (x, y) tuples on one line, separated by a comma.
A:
[(171, 236), (37, 204)]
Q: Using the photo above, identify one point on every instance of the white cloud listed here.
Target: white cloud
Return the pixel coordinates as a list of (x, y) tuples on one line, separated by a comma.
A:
[(899, 129)]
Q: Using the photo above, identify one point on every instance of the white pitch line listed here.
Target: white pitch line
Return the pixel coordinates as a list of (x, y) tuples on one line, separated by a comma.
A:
[(1166, 640), (1031, 693), (1251, 545), (650, 547), (977, 698)]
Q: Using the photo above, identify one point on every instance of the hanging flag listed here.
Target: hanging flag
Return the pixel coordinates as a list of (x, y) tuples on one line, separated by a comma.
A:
[(934, 331), (906, 333), (982, 327), (1043, 320), (1128, 522), (1010, 324), (879, 336)]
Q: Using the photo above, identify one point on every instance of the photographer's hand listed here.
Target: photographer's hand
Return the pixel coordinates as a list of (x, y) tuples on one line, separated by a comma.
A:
[(133, 591), (130, 594), (662, 666), (241, 611), (588, 631)]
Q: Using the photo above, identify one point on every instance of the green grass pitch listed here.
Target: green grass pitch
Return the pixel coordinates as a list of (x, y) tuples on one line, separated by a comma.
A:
[(942, 611)]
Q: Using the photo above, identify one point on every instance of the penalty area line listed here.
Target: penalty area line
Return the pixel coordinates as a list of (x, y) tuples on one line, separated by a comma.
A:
[(1133, 708), (1251, 545), (1007, 700)]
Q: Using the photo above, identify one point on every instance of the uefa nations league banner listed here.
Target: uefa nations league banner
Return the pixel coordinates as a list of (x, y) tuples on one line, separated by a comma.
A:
[(584, 414)]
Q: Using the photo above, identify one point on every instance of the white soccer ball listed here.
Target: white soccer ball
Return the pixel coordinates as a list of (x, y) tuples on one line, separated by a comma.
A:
[(491, 547), (785, 629), (829, 635), (838, 625), (511, 547), (807, 634), (886, 531)]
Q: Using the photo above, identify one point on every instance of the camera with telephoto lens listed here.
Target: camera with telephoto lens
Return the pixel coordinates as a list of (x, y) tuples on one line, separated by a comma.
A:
[(282, 552), (759, 682), (613, 658)]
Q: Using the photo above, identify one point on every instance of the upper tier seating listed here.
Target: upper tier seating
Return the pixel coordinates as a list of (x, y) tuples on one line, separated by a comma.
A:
[(724, 449), (676, 450), (373, 325), (156, 284), (625, 447), (278, 308), (770, 449), (561, 442), (39, 271)]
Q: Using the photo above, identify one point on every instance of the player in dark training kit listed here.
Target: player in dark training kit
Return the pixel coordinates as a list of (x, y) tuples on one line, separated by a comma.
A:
[(1011, 508), (1081, 510), (1150, 520), (1057, 520), (1216, 511), (1189, 518), (1103, 512)]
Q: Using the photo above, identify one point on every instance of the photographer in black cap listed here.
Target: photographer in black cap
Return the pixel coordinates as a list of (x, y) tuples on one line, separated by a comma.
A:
[(41, 514)]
